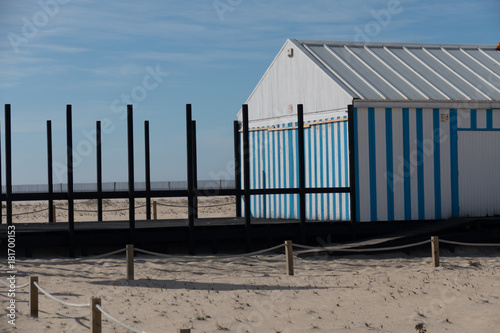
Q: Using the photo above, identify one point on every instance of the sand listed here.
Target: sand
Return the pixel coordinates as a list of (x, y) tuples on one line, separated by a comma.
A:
[(395, 292), (117, 209)]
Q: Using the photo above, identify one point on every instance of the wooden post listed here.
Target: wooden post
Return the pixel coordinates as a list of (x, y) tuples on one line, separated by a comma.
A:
[(131, 179), (185, 330), (289, 257), (302, 171), (147, 169), (190, 179), (33, 297), (435, 251), (130, 261), (50, 177), (155, 212), (70, 169), (95, 315)]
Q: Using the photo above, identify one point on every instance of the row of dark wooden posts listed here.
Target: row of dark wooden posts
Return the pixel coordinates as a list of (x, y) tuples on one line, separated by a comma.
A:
[(192, 192)]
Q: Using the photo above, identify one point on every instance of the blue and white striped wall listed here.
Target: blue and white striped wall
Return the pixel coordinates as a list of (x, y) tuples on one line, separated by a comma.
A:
[(274, 164), (406, 160)]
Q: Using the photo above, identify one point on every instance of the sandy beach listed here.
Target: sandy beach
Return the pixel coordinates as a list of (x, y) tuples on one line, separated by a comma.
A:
[(394, 292), (384, 293), (117, 209)]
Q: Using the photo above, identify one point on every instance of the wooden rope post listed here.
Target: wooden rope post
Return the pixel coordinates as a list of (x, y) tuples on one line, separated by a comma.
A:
[(185, 330), (95, 315), (289, 257), (54, 213), (33, 297), (130, 262), (435, 250), (155, 212)]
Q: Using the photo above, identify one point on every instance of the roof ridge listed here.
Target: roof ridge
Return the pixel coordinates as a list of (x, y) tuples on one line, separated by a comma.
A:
[(400, 44)]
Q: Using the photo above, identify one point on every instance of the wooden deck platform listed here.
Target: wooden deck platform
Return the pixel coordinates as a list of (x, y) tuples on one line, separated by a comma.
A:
[(212, 232)]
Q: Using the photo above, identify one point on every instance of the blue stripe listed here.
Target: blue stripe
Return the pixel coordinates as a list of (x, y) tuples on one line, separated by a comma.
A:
[(316, 176), (489, 118), (278, 174), (265, 172), (336, 167), (321, 157), (420, 164), (329, 153), (455, 210), (297, 176), (252, 198), (269, 168), (437, 165), (285, 172), (473, 118), (258, 180), (275, 151), (347, 215), (291, 164), (309, 159), (372, 163), (406, 154), (390, 164), (478, 129), (356, 162)]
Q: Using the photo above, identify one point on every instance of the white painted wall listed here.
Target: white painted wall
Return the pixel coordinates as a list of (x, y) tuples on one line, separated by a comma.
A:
[(291, 81)]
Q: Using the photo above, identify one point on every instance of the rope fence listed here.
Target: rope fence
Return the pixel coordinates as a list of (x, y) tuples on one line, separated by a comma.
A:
[(49, 295), (154, 204), (14, 287), (119, 322), (250, 254), (206, 206), (96, 308)]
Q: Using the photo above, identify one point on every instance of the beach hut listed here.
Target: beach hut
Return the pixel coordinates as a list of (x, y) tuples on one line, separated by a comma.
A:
[(426, 130)]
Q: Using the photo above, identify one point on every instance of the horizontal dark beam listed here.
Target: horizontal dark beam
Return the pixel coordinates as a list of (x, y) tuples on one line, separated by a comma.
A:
[(167, 193)]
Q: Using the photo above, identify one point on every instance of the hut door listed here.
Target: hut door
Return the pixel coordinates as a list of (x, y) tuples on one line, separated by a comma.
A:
[(479, 173)]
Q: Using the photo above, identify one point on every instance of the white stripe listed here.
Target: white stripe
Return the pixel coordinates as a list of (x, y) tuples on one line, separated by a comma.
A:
[(444, 131), (363, 167), (428, 147), (398, 164), (481, 118), (413, 163), (381, 164)]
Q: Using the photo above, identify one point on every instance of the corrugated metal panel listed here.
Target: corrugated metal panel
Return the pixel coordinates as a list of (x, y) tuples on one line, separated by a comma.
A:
[(404, 154), (416, 72), (479, 181), (434, 164), (274, 164)]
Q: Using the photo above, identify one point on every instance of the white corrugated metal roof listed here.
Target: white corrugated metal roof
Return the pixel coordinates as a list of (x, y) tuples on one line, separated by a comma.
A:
[(409, 72)]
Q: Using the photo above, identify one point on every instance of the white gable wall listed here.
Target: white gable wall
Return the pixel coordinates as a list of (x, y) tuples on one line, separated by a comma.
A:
[(291, 81)]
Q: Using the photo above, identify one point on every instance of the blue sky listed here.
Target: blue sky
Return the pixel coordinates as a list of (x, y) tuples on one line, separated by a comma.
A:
[(96, 55)]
